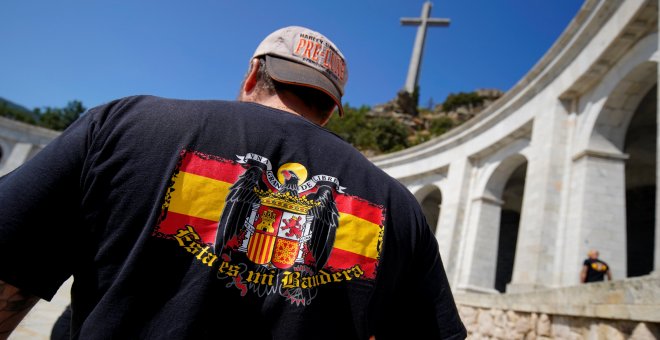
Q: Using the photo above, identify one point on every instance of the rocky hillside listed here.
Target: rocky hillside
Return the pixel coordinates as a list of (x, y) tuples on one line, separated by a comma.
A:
[(400, 123), (458, 108)]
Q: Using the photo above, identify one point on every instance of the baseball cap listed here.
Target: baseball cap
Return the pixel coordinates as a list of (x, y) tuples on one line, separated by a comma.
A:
[(300, 56)]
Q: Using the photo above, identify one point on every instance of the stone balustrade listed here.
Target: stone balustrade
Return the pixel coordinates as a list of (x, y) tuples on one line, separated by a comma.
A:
[(625, 309)]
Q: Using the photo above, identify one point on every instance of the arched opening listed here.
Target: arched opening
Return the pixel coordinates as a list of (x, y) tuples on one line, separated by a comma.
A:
[(512, 197), (431, 207), (640, 146), (621, 170), (496, 215)]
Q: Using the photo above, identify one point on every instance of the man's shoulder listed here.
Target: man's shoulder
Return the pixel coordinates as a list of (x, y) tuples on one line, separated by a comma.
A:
[(142, 100), (150, 107)]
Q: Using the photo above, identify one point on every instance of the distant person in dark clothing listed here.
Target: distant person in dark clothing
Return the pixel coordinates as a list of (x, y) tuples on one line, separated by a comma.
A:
[(593, 269)]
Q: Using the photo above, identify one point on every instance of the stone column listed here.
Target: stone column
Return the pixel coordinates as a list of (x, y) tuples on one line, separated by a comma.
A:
[(477, 271), (449, 231), (536, 249), (597, 217)]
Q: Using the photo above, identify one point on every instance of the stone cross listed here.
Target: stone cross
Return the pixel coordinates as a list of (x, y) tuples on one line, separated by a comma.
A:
[(423, 22)]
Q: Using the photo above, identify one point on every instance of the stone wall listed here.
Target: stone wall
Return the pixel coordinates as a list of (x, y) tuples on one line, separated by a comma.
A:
[(511, 325), (626, 309), (19, 142)]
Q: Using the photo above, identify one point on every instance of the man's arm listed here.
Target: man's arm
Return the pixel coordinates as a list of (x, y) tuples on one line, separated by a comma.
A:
[(609, 275), (583, 274), (14, 305)]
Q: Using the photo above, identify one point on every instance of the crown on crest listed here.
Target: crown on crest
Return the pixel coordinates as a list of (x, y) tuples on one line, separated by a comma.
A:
[(300, 205)]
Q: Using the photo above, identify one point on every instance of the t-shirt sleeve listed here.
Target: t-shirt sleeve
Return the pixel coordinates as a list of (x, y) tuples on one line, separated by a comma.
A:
[(436, 292), (39, 215), (420, 302)]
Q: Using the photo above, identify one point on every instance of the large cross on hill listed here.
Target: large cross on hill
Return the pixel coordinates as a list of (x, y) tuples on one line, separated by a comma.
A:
[(423, 22)]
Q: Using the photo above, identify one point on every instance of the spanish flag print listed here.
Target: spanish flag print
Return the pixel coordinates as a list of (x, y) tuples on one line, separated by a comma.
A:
[(199, 188)]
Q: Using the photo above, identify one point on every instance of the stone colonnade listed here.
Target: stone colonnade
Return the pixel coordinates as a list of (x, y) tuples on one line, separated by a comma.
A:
[(552, 168)]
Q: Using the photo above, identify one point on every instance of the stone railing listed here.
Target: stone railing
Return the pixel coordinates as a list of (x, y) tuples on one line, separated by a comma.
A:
[(626, 309)]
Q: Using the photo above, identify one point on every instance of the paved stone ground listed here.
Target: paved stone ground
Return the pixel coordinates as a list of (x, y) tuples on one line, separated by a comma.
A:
[(38, 324)]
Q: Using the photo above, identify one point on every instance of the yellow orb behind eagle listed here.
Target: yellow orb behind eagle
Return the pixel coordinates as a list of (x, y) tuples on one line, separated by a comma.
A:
[(296, 168)]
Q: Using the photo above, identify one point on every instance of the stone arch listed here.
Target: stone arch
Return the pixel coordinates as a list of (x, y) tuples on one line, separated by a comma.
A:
[(507, 185), (498, 179), (612, 122), (605, 157), (512, 197), (640, 178), (492, 251), (624, 87), (430, 199)]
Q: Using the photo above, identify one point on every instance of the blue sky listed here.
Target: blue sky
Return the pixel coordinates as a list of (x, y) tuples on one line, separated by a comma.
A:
[(94, 51)]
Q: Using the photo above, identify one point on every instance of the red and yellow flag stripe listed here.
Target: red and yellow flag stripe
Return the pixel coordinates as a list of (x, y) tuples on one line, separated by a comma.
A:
[(202, 183)]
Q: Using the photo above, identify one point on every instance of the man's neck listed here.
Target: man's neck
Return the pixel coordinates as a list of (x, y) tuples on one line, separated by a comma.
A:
[(286, 103)]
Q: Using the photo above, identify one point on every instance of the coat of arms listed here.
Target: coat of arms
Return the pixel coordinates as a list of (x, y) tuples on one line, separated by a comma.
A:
[(279, 219)]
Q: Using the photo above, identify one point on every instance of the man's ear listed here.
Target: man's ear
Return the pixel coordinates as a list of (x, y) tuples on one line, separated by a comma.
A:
[(325, 118), (251, 78)]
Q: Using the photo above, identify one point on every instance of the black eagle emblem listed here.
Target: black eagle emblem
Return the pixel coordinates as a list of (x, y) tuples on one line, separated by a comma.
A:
[(243, 199)]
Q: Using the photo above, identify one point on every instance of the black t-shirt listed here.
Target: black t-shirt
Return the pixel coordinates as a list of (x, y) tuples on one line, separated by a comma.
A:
[(596, 270), (214, 219)]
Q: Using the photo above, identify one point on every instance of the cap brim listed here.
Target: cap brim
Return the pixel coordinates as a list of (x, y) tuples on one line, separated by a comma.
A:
[(290, 72)]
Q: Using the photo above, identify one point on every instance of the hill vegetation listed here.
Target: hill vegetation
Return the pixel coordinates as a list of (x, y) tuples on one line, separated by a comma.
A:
[(56, 119), (400, 123)]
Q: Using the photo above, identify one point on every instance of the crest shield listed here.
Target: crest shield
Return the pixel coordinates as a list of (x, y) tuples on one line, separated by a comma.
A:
[(266, 227), (280, 226), (287, 245)]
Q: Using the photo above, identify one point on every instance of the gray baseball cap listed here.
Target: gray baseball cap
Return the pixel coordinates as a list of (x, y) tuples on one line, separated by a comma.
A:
[(297, 55)]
